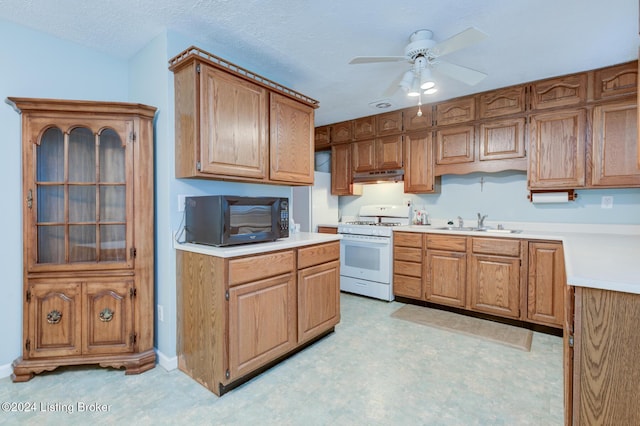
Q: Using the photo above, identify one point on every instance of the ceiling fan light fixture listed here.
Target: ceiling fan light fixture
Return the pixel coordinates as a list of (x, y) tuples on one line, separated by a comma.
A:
[(415, 88), (431, 90), (426, 81), (406, 81)]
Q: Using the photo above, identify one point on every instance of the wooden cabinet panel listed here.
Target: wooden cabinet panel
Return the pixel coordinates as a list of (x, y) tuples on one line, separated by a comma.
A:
[(389, 123), (407, 286), (233, 125), (262, 323), (501, 102), (616, 81), (500, 246), (446, 277), (54, 320), (614, 145), (318, 299), (412, 121), (407, 265), (363, 156), (389, 152), (455, 145), (502, 139), (446, 242), (318, 254), (456, 111), (342, 132), (557, 150), (251, 268), (407, 239), (409, 254), (108, 312), (341, 171), (322, 138), (564, 91), (410, 268), (546, 284), (291, 129), (364, 128), (328, 229), (418, 163), (495, 285)]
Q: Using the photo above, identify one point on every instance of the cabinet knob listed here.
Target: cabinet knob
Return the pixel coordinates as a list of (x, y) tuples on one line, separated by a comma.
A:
[(106, 315), (54, 317)]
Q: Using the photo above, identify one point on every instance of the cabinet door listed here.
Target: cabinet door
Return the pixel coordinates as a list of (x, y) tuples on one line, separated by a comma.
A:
[(495, 285), (342, 132), (262, 323), (108, 317), (322, 138), (446, 277), (389, 123), (389, 152), (496, 103), (455, 145), (318, 299), (557, 150), (291, 140), (364, 128), (614, 145), (412, 121), (570, 90), (616, 81), (341, 173), (502, 139), (233, 125), (546, 284), (54, 319), (455, 111), (418, 163), (363, 156)]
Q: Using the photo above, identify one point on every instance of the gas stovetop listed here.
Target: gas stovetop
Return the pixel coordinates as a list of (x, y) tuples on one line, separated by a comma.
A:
[(367, 223), (376, 220)]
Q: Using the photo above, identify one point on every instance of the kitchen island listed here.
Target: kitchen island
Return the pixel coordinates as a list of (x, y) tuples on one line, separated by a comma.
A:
[(242, 309)]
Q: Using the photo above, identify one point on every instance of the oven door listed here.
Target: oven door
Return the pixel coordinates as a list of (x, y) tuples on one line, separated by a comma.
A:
[(366, 257)]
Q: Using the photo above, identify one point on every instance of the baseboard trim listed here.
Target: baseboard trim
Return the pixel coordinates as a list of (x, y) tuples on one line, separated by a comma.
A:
[(5, 371), (168, 363)]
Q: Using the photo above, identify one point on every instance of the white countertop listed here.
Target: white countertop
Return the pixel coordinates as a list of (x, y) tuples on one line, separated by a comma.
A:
[(596, 256), (298, 239)]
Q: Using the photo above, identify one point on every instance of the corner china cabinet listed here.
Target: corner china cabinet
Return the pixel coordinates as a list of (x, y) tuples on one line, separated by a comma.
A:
[(87, 235)]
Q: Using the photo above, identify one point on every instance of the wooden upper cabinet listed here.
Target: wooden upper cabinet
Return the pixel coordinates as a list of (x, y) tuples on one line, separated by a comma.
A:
[(557, 150), (233, 125), (341, 171), (614, 145), (389, 152), (363, 157), (502, 139), (455, 145), (418, 163), (615, 81), (322, 137), (564, 91), (389, 123), (291, 129), (342, 132), (364, 128), (412, 121), (501, 102), (457, 111)]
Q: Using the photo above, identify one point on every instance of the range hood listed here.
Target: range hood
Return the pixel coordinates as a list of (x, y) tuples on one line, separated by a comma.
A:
[(379, 176)]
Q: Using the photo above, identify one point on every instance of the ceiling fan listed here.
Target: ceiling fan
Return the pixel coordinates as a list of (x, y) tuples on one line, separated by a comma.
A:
[(423, 53)]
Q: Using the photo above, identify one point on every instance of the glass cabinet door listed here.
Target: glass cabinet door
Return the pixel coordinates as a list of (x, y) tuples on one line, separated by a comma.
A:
[(81, 196)]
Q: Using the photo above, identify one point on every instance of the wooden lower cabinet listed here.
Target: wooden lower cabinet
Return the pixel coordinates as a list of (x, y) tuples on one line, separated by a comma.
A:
[(327, 229), (237, 315), (407, 265), (546, 283), (606, 374), (446, 270)]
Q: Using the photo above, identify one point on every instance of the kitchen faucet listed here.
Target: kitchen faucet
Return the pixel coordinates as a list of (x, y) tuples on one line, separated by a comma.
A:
[(481, 219), (460, 222)]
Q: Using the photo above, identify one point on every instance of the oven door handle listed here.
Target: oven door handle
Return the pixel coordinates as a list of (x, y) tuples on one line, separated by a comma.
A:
[(366, 243)]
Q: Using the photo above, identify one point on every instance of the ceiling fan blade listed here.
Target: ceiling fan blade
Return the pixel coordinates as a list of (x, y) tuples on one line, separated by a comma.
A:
[(463, 74), (394, 86), (459, 41), (372, 59)]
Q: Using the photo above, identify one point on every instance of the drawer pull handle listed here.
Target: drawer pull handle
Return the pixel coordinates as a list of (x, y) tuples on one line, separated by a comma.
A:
[(54, 317), (106, 315)]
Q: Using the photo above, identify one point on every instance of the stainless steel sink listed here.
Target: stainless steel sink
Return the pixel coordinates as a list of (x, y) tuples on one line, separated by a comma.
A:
[(469, 228), (501, 231), (456, 228)]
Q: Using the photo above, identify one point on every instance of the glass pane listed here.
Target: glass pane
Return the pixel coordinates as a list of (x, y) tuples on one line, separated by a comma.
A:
[(50, 202), (82, 243), (50, 244), (82, 203), (112, 203), (362, 257), (82, 155), (111, 157), (248, 219), (50, 157), (113, 244)]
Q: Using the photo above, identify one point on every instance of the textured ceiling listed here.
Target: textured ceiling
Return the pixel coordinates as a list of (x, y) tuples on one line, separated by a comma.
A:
[(306, 44)]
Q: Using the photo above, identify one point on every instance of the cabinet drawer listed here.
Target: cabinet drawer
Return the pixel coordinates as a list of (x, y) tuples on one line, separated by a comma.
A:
[(317, 254), (408, 254), (407, 239), (501, 246), (253, 268), (407, 268), (407, 286), (446, 242)]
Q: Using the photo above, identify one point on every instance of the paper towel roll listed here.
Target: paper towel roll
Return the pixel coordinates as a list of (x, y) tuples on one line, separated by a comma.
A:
[(550, 197)]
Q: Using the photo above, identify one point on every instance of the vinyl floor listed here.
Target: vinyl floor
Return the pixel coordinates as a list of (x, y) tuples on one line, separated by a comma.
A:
[(374, 370)]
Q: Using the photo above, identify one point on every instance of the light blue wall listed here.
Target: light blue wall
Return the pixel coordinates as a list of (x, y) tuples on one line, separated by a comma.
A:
[(37, 65), (503, 196)]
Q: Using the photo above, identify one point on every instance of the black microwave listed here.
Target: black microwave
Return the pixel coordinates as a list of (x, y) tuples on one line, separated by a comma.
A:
[(225, 220)]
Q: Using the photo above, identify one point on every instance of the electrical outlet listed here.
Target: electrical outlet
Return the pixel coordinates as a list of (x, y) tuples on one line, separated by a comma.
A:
[(607, 202), (181, 198), (407, 202), (160, 313)]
